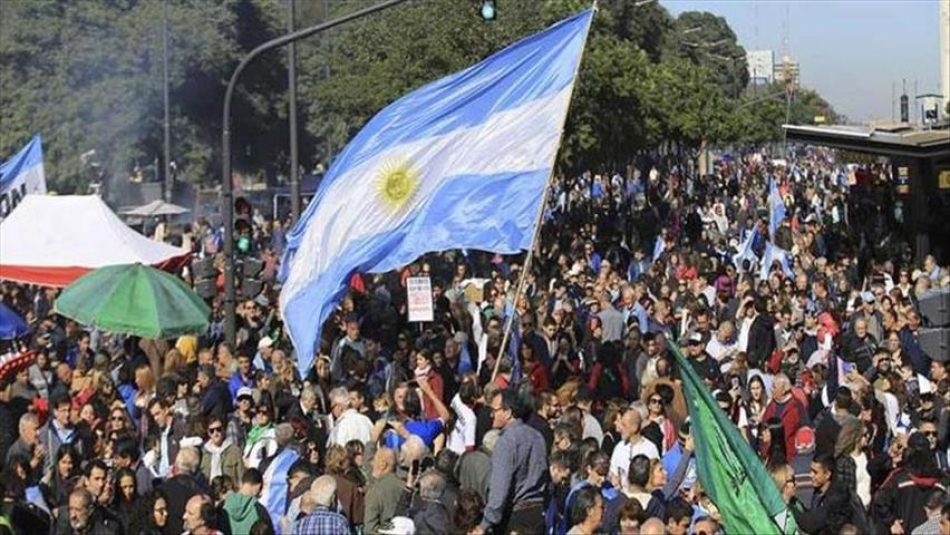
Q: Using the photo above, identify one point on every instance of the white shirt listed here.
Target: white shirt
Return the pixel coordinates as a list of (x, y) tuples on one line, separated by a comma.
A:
[(351, 425), (463, 435), (718, 350), (624, 452), (592, 428)]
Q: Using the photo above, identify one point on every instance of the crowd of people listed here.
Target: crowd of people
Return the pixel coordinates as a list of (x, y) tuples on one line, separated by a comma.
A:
[(801, 324)]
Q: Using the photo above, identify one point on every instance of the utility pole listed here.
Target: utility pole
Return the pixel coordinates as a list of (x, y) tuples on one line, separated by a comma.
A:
[(292, 94), (169, 183)]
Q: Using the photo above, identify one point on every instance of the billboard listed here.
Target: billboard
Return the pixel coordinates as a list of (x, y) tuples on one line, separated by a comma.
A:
[(761, 65)]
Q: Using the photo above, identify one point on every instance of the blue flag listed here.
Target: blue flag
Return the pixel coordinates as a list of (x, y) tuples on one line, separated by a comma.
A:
[(459, 163), (22, 175), (658, 247), (776, 207), (774, 253), (746, 250)]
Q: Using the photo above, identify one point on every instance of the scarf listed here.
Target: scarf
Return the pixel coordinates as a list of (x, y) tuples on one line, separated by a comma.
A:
[(256, 432), (422, 372), (216, 452)]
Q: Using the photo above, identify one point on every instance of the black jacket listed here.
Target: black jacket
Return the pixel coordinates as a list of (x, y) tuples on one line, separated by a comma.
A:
[(902, 497), (179, 490), (828, 513), (761, 341)]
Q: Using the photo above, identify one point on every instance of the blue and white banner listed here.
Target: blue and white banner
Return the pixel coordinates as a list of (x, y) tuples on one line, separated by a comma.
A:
[(774, 253), (658, 247), (459, 163), (22, 175), (776, 207)]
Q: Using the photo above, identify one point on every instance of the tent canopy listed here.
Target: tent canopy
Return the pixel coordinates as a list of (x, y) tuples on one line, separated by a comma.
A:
[(155, 208), (53, 240)]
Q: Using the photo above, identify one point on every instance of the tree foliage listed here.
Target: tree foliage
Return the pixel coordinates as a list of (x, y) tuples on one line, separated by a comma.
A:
[(87, 75)]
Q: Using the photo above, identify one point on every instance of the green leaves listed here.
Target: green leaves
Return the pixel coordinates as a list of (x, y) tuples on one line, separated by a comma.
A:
[(87, 74)]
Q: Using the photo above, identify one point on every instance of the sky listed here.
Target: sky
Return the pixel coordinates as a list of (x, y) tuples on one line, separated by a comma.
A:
[(850, 51)]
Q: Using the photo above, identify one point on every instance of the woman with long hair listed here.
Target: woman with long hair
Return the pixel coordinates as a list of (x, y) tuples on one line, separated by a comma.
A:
[(348, 491), (355, 451), (772, 443), (125, 497), (847, 444), (151, 515), (59, 482), (758, 400)]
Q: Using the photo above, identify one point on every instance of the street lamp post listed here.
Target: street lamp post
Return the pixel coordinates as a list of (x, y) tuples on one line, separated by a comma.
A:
[(292, 112), (227, 186), (168, 137)]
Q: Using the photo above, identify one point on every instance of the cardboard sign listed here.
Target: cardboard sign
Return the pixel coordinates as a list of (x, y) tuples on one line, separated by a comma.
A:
[(420, 299)]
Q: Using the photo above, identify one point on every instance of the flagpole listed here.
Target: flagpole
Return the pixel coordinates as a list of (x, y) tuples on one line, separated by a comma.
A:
[(519, 291)]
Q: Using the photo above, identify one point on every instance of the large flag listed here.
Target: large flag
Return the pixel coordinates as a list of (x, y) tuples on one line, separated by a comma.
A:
[(729, 470), (459, 163), (21, 175), (776, 207)]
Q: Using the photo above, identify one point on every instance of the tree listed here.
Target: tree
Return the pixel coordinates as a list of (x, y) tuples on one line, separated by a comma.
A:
[(707, 40), (87, 75)]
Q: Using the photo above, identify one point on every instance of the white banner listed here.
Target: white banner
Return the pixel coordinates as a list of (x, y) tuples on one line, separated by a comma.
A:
[(22, 175), (420, 299)]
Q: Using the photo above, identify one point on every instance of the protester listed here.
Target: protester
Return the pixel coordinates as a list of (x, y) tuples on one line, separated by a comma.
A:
[(815, 353)]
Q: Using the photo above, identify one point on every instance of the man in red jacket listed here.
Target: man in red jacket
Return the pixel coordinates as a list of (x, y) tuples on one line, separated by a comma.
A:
[(788, 409)]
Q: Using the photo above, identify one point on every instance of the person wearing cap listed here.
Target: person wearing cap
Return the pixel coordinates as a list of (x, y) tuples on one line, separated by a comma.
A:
[(262, 359), (704, 365), (900, 501), (242, 419), (867, 311)]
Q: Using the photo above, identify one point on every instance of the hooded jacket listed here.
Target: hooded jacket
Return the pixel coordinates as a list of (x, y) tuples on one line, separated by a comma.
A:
[(242, 512)]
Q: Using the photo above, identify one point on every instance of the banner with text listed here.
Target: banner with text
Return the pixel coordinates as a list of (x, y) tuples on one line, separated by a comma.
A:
[(420, 299)]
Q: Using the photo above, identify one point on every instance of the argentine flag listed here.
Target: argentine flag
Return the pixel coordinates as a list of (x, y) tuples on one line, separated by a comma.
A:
[(459, 163), (776, 207), (772, 254), (658, 247), (22, 175)]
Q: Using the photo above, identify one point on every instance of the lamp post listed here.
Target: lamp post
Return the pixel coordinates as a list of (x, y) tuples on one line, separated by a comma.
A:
[(168, 137), (227, 186), (292, 113)]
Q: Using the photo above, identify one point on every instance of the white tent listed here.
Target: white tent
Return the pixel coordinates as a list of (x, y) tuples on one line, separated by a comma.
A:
[(54, 240), (155, 208)]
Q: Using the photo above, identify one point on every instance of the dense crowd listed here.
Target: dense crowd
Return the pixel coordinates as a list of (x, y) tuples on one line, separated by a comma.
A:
[(801, 323)]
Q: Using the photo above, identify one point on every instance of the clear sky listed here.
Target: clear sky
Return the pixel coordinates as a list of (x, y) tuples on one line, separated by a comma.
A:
[(849, 50)]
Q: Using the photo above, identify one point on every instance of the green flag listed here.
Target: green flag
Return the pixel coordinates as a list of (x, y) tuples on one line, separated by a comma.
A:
[(729, 470)]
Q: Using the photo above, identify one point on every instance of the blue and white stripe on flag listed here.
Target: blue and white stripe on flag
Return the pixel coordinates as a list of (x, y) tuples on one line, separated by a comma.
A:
[(22, 175), (746, 251), (776, 207), (772, 254), (459, 163), (658, 247)]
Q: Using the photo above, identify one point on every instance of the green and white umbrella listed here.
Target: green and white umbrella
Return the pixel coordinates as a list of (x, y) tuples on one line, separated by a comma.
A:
[(134, 299)]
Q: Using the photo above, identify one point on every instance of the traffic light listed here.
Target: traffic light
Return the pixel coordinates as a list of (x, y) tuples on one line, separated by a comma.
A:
[(246, 272), (488, 10), (204, 276)]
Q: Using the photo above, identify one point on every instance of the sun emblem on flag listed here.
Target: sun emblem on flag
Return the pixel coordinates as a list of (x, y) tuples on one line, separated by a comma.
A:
[(398, 181)]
